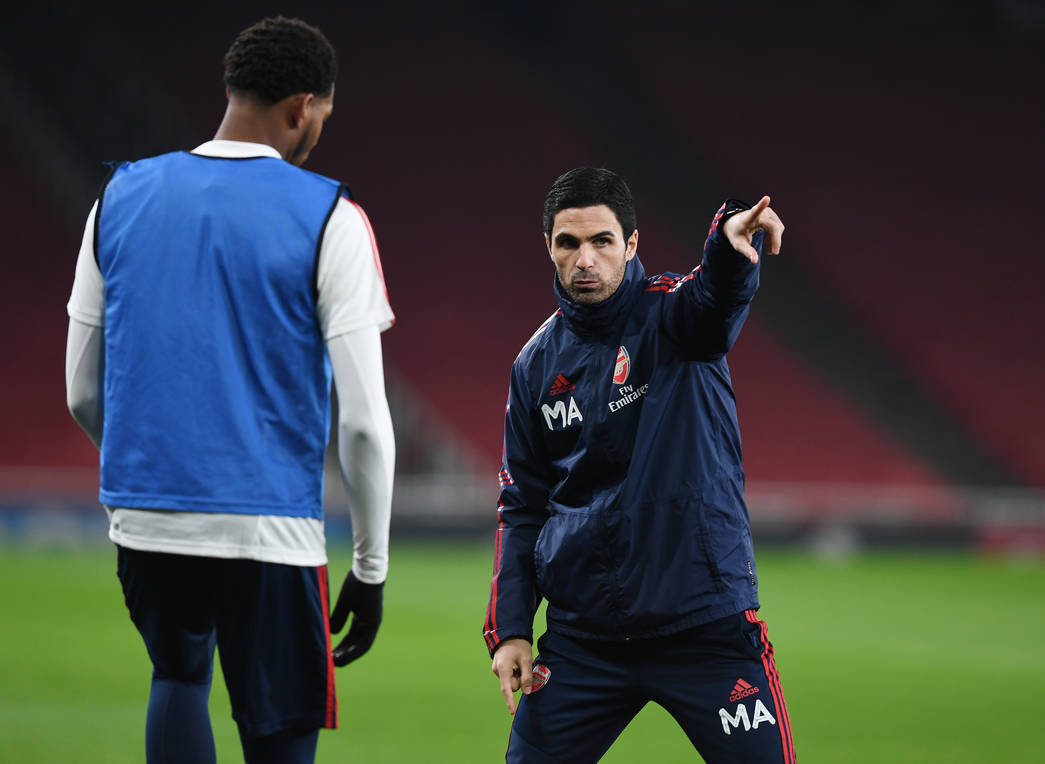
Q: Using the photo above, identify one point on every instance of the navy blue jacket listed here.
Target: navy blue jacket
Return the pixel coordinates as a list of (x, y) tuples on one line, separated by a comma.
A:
[(622, 487)]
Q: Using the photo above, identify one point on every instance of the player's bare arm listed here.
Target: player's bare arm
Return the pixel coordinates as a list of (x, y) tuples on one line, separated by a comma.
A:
[(739, 229), (512, 663)]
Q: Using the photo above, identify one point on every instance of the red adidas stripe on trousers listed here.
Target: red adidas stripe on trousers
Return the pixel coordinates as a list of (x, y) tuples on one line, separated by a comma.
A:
[(774, 686)]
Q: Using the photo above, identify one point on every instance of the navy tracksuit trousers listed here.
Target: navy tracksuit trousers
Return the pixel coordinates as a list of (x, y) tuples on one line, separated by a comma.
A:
[(718, 680)]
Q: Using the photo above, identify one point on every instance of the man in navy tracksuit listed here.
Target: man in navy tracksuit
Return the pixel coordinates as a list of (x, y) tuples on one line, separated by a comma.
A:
[(622, 496)]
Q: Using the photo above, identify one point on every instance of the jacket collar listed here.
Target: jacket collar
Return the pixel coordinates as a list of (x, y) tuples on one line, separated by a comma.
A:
[(607, 316)]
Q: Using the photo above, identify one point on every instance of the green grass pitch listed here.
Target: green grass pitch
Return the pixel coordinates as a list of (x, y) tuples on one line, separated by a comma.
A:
[(902, 657)]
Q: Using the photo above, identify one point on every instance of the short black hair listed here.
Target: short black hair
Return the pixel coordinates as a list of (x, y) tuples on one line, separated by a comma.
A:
[(279, 57), (590, 187)]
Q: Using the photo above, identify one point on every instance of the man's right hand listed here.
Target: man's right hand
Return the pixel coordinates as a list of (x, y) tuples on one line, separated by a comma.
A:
[(365, 603), (513, 664)]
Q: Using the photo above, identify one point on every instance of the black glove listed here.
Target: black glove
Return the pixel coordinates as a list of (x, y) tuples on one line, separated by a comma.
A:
[(364, 602)]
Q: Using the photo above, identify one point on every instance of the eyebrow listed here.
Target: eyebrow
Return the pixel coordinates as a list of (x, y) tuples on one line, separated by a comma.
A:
[(563, 235)]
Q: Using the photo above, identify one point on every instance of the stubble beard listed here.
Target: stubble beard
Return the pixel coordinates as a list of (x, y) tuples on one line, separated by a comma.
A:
[(605, 290)]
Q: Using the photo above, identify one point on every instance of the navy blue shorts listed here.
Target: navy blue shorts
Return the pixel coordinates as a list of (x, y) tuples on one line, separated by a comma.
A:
[(270, 623), (719, 681)]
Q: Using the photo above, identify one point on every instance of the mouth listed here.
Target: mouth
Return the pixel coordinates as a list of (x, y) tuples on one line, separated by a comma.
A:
[(585, 284)]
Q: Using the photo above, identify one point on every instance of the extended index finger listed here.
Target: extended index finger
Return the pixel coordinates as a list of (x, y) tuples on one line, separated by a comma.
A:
[(508, 678), (757, 209)]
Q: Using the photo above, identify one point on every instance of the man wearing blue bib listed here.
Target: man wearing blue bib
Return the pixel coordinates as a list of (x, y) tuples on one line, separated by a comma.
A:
[(217, 294)]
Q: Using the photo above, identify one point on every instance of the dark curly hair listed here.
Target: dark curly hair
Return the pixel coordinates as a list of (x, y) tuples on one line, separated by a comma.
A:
[(590, 187), (278, 57)]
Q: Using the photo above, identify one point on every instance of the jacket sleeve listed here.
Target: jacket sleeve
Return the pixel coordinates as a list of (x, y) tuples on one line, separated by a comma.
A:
[(521, 513), (705, 310)]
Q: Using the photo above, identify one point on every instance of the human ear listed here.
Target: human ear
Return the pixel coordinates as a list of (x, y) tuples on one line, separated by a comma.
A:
[(633, 244), (298, 106)]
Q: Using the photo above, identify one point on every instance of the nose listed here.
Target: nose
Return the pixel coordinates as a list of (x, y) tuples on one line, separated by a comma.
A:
[(585, 257)]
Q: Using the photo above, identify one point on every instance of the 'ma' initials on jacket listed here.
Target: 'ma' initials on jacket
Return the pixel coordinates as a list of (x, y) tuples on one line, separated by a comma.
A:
[(561, 415)]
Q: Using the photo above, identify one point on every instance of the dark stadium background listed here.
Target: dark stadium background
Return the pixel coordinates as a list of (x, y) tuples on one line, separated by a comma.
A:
[(890, 378)]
